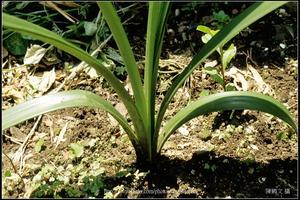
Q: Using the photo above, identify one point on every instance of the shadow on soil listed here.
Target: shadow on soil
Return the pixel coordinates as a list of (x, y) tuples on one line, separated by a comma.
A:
[(206, 175), (213, 176)]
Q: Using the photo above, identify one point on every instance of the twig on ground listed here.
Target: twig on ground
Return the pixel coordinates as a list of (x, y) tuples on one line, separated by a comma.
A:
[(18, 156), (13, 166), (15, 140)]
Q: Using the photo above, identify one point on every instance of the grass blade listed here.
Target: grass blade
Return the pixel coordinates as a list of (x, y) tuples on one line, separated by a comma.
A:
[(60, 100), (226, 101), (247, 17)]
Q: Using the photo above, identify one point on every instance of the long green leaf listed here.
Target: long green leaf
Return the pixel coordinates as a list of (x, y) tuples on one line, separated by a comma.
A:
[(27, 28), (60, 100), (247, 17), (157, 18), (226, 101), (117, 30), (121, 39)]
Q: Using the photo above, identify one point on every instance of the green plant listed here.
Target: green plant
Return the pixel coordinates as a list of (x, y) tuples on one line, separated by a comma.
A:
[(220, 18), (93, 184), (146, 134), (218, 74)]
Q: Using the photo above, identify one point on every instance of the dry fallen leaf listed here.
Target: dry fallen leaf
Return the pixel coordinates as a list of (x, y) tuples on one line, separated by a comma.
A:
[(34, 54), (113, 122), (47, 80), (238, 77), (262, 86), (257, 77)]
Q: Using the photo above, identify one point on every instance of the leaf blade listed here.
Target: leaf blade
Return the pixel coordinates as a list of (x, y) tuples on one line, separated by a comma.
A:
[(25, 27), (60, 100), (226, 101), (118, 32), (247, 17), (157, 18)]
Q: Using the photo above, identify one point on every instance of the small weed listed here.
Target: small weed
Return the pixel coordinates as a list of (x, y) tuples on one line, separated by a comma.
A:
[(93, 185), (282, 136), (218, 73), (220, 19)]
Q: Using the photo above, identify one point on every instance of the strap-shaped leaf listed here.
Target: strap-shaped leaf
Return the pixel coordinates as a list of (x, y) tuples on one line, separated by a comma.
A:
[(226, 101), (117, 30), (120, 37), (247, 17), (27, 28), (60, 100), (157, 18)]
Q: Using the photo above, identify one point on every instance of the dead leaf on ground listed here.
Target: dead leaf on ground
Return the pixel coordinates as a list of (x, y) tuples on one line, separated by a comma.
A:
[(34, 55), (47, 80), (17, 133), (238, 77), (262, 86)]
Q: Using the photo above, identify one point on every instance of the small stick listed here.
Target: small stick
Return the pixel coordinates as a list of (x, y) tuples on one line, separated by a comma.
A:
[(24, 144), (15, 140), (13, 166)]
